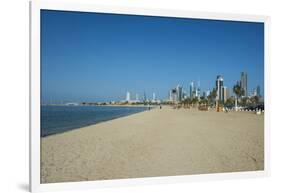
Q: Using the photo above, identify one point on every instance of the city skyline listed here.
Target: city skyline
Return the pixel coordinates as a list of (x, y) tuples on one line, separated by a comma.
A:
[(143, 54)]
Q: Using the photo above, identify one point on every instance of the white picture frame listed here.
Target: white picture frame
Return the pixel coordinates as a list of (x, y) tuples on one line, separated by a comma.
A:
[(36, 6)]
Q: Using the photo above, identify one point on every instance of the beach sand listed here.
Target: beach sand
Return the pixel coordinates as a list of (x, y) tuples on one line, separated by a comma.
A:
[(160, 142)]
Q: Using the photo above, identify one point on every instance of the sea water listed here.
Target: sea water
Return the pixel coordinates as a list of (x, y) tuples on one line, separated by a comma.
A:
[(57, 119)]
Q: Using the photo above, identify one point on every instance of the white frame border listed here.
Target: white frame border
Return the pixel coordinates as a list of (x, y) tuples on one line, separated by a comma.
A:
[(34, 57)]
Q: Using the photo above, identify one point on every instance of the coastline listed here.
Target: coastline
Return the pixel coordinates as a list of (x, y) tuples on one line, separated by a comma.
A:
[(111, 119), (159, 142)]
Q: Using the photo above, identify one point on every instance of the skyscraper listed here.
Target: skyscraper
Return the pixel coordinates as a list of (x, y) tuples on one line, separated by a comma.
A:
[(173, 95), (179, 93), (128, 96), (198, 90), (259, 91), (204, 94), (219, 86), (244, 84), (198, 93), (153, 97), (208, 92), (225, 93), (144, 97), (191, 89)]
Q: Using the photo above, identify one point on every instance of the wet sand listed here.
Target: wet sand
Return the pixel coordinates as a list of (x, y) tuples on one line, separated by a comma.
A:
[(160, 142)]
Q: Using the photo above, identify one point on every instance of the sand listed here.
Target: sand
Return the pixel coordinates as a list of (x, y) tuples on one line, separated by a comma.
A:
[(160, 142)]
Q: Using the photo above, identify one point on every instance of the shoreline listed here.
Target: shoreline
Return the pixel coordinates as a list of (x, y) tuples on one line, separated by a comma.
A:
[(100, 122), (127, 105), (159, 142)]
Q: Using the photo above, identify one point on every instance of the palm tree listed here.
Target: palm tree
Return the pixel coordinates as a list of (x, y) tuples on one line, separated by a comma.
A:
[(194, 100), (186, 102), (212, 96), (255, 99), (238, 92)]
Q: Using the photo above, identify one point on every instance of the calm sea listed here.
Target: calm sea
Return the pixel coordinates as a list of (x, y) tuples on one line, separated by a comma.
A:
[(57, 119)]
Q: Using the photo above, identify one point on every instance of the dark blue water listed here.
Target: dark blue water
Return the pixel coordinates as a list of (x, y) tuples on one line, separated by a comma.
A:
[(57, 119)]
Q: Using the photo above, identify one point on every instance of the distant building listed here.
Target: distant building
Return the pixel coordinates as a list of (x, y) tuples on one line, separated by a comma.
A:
[(219, 86), (173, 95), (128, 96), (198, 93), (225, 93), (204, 95), (153, 97), (244, 84), (258, 91), (191, 90), (254, 92), (137, 98), (176, 94), (184, 95), (144, 97), (179, 93), (208, 92)]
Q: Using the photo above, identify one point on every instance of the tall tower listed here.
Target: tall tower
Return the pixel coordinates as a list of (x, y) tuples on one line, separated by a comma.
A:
[(153, 97), (225, 93), (144, 96), (219, 86), (191, 88), (128, 96), (179, 93), (244, 84), (198, 91), (259, 91)]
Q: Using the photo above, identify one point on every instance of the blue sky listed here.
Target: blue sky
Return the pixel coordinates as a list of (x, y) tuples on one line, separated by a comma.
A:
[(98, 57)]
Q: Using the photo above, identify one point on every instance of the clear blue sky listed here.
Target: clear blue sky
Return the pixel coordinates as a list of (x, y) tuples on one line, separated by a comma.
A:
[(98, 57)]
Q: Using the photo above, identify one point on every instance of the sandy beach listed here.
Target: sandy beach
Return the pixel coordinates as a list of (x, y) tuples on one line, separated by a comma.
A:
[(160, 142)]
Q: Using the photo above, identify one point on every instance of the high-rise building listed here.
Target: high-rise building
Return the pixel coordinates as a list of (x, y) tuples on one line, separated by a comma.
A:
[(173, 95), (128, 96), (153, 97), (254, 92), (258, 91), (179, 93), (191, 89), (198, 93), (244, 84), (225, 93), (204, 95), (219, 86), (144, 97), (184, 95), (208, 92)]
